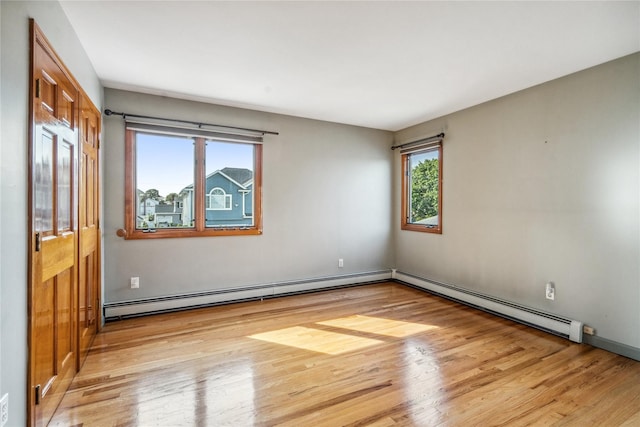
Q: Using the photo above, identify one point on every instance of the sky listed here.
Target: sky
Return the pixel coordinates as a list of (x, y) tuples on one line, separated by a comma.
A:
[(166, 163), (416, 159)]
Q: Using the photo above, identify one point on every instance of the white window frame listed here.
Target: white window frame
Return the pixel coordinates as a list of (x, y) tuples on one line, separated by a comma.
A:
[(227, 198)]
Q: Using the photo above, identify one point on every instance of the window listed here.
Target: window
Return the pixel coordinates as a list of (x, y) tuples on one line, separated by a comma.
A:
[(191, 182), (218, 200), (422, 188)]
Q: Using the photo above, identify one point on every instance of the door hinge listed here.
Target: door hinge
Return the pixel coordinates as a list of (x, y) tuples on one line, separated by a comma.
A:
[(37, 394), (38, 242), (37, 95)]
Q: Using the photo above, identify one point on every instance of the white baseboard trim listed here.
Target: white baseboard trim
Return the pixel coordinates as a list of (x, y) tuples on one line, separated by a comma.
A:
[(553, 323), (132, 308)]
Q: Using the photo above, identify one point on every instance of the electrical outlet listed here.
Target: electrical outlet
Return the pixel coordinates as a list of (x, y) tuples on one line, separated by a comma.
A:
[(550, 291), (340, 263), (135, 282), (4, 409), (588, 330)]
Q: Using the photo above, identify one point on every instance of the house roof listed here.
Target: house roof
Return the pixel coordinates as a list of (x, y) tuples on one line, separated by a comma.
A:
[(240, 175), (166, 209)]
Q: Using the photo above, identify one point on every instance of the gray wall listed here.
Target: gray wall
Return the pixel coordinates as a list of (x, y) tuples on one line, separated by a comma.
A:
[(13, 178), (326, 195), (542, 185)]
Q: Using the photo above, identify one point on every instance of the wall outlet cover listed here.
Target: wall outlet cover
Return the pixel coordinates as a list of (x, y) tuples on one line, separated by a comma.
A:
[(550, 291), (4, 409)]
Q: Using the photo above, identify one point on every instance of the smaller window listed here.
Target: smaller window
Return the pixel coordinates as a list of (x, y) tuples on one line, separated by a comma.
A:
[(218, 200), (422, 189)]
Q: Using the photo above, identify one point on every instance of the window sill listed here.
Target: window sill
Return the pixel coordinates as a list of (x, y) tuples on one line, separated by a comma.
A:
[(422, 228), (174, 233)]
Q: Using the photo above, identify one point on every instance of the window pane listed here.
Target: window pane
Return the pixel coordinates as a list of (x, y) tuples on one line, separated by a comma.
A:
[(64, 186), (164, 181), (43, 160), (229, 184), (423, 188)]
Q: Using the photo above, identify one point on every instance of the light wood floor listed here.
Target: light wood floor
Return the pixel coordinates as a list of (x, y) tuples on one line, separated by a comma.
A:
[(374, 355)]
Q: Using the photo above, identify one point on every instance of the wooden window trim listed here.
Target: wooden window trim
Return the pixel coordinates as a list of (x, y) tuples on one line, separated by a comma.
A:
[(405, 225), (200, 230)]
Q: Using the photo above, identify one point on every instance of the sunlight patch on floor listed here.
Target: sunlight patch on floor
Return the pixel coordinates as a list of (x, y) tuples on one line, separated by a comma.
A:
[(378, 325), (198, 397), (316, 340)]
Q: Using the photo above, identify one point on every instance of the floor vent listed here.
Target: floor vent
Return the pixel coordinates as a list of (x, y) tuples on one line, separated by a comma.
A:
[(557, 325)]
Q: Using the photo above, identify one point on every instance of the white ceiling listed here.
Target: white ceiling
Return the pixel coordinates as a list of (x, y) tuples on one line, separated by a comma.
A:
[(383, 64)]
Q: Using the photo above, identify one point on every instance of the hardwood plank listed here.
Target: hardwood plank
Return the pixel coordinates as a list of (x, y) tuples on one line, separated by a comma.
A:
[(428, 362)]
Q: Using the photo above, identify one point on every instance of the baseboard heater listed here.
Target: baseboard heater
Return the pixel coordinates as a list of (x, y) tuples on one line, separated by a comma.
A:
[(557, 325), (146, 306)]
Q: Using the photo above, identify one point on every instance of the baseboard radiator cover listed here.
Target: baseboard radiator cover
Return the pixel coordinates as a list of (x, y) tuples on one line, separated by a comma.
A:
[(557, 325), (145, 306)]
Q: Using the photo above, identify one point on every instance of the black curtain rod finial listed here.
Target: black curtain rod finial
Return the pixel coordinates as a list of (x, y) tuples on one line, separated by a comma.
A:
[(108, 112)]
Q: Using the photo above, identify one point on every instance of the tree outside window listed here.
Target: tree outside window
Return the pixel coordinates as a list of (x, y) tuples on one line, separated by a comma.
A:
[(422, 190)]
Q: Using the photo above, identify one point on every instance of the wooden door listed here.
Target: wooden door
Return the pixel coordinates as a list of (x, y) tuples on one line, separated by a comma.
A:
[(53, 230), (89, 227)]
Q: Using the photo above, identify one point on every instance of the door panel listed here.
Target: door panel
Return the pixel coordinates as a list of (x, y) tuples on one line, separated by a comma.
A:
[(89, 253), (44, 333), (53, 249), (64, 325), (64, 245), (57, 254)]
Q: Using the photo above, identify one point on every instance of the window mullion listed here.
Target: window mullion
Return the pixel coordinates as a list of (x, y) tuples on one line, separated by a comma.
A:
[(200, 184)]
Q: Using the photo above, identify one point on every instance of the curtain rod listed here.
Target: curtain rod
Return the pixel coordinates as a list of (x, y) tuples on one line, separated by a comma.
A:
[(199, 124), (434, 137)]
